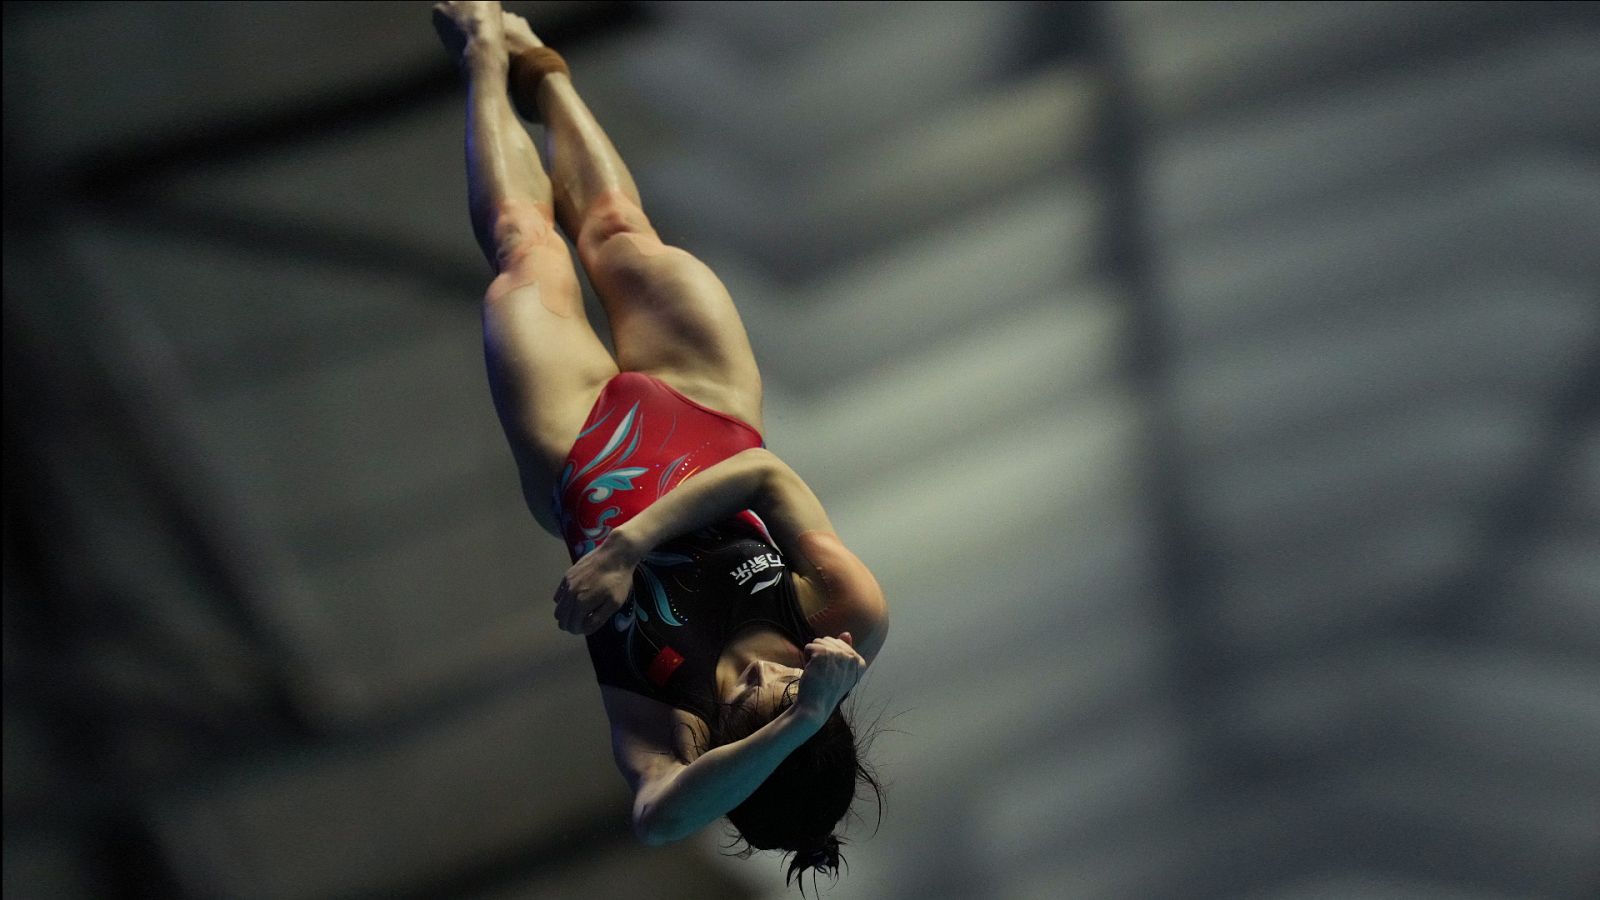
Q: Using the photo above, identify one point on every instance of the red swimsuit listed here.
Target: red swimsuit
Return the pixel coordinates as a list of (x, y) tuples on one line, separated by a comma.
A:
[(641, 440)]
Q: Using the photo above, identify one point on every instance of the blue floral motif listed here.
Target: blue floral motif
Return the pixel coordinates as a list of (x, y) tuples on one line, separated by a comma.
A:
[(601, 529), (601, 488), (615, 441), (634, 612), (658, 593), (633, 444), (625, 437)]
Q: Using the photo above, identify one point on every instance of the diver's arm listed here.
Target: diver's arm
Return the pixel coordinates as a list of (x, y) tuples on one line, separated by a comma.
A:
[(687, 799), (723, 490), (598, 584), (680, 801)]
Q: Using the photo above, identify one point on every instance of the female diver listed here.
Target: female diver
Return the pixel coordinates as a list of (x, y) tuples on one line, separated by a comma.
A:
[(725, 620)]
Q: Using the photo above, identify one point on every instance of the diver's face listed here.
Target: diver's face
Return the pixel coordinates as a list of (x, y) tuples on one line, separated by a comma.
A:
[(763, 684)]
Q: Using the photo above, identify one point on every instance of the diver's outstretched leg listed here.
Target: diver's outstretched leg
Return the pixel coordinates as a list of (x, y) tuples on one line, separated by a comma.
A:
[(670, 315), (546, 364)]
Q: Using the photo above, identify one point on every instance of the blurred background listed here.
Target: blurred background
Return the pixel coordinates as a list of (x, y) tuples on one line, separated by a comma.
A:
[(1214, 387)]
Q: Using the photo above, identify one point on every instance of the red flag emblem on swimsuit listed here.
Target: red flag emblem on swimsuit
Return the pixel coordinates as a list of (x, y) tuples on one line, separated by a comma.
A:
[(665, 663)]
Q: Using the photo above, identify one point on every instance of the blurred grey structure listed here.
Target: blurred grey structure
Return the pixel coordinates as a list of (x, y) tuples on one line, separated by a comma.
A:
[(1212, 386)]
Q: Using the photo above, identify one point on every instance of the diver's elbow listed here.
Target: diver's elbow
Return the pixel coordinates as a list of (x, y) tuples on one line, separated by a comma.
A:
[(654, 830)]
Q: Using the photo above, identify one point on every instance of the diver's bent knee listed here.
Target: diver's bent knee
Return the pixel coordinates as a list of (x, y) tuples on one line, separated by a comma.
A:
[(610, 216), (520, 229), (635, 263), (531, 253)]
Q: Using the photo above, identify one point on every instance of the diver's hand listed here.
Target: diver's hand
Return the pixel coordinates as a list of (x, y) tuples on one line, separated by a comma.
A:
[(832, 669), (595, 588)]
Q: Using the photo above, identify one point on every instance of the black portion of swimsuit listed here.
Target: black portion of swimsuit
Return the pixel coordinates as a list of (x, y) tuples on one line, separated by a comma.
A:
[(715, 583)]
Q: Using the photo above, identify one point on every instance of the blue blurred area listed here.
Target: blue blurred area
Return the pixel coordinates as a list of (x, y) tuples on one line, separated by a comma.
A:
[(1212, 387)]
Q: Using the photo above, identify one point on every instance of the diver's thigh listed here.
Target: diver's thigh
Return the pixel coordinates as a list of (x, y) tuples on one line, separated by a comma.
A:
[(673, 318), (545, 363)]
